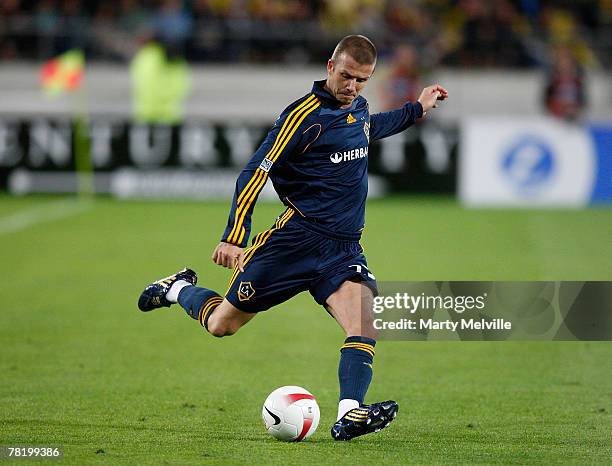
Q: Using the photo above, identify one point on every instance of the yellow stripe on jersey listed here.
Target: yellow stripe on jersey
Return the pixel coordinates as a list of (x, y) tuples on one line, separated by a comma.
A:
[(256, 243), (280, 135), (292, 123), (287, 125), (289, 122), (258, 180), (249, 252), (253, 187), (260, 240), (260, 173), (297, 121), (246, 205), (244, 208)]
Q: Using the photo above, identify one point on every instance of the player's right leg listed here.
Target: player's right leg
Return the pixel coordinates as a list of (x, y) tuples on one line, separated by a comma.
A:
[(351, 306), (217, 315)]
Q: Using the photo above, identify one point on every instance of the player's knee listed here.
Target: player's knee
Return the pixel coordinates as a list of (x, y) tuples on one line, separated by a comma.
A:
[(215, 332), (216, 329), (220, 332), (221, 329)]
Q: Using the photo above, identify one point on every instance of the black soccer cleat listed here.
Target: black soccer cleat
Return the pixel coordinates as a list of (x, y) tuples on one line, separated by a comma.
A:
[(154, 295), (364, 420)]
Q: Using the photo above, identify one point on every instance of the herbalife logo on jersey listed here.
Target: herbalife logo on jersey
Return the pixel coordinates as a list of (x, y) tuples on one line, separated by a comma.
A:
[(347, 155)]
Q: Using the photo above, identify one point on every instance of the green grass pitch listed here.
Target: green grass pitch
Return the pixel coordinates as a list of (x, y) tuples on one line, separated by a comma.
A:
[(81, 367)]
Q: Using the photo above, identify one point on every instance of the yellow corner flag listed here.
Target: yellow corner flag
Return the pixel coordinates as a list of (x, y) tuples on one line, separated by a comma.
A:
[(63, 73)]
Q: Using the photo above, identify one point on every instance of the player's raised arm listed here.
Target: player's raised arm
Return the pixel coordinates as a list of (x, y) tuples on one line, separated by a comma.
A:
[(387, 124), (284, 138)]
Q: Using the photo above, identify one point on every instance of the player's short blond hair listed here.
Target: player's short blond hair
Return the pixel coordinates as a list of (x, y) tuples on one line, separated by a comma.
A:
[(360, 48)]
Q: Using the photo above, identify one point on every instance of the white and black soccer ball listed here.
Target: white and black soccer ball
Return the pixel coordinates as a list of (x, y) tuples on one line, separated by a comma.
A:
[(291, 414)]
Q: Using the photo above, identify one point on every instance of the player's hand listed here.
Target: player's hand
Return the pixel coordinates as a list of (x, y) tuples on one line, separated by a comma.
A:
[(430, 96), (229, 255)]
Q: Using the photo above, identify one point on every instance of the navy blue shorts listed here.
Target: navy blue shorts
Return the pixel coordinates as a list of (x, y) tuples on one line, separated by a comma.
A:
[(290, 258)]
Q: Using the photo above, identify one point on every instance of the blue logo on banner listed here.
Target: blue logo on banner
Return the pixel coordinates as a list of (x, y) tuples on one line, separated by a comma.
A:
[(602, 139), (529, 164)]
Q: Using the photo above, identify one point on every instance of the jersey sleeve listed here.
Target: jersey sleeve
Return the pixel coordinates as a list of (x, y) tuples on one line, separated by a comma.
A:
[(284, 138), (387, 124)]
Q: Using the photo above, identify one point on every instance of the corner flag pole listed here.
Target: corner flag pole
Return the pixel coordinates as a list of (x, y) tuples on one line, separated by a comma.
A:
[(82, 145), (65, 74)]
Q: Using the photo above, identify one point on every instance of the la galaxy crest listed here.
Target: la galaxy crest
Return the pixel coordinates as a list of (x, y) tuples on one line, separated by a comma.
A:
[(366, 130), (245, 291)]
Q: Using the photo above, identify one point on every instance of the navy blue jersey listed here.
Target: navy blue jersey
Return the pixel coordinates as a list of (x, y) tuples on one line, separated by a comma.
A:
[(316, 155)]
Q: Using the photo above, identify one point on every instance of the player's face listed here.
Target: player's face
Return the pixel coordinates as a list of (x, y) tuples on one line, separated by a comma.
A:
[(346, 78)]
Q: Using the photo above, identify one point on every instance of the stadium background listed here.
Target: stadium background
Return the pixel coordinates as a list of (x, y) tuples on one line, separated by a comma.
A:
[(83, 369)]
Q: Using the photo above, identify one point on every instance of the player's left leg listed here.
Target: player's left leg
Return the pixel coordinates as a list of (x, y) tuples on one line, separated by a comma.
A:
[(216, 314), (351, 306), (276, 267)]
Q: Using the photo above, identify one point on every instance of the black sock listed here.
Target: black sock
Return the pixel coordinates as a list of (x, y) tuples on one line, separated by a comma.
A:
[(355, 368), (199, 303)]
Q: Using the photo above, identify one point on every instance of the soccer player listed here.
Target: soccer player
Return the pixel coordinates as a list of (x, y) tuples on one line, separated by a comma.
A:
[(316, 155)]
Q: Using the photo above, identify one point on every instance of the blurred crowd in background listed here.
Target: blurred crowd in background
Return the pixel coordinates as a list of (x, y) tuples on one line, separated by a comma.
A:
[(460, 33)]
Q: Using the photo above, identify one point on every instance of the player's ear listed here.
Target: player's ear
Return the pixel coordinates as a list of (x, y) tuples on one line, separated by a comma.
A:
[(330, 66)]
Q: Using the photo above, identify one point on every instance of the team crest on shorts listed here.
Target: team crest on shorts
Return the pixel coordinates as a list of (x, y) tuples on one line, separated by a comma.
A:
[(366, 130), (245, 291)]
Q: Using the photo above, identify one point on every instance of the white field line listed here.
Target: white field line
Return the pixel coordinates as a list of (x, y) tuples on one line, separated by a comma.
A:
[(44, 213)]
